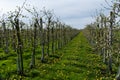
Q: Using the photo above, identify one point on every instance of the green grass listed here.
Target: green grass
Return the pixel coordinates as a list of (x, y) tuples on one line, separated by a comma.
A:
[(75, 61)]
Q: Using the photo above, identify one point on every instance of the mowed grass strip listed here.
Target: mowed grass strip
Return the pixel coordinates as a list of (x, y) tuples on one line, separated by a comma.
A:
[(75, 61)]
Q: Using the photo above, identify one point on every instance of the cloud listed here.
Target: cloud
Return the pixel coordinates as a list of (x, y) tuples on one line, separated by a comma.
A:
[(79, 23), (74, 12)]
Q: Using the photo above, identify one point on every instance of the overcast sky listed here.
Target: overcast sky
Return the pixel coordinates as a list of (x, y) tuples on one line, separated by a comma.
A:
[(76, 13)]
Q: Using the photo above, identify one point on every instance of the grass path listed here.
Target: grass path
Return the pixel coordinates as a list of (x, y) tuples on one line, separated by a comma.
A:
[(77, 62)]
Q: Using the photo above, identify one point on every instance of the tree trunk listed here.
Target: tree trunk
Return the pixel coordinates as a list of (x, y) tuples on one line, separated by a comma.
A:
[(42, 39), (48, 34), (32, 64), (19, 48), (52, 38)]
